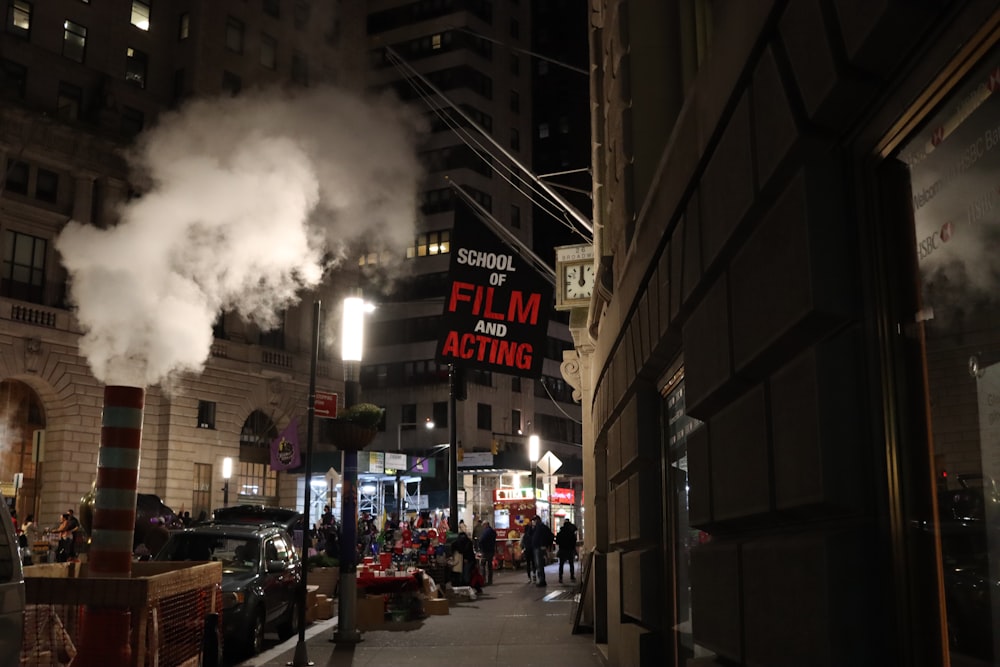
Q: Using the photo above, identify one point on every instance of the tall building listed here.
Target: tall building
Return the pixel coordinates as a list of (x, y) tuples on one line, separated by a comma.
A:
[(790, 400), (80, 81), (478, 55)]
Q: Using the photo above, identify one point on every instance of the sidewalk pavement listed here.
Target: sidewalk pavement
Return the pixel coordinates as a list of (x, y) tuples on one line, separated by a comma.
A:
[(512, 624)]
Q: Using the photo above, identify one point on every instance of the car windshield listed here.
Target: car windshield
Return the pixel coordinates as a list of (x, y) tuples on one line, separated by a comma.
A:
[(237, 554)]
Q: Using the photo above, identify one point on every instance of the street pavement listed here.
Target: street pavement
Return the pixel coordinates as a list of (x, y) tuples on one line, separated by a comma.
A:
[(512, 624)]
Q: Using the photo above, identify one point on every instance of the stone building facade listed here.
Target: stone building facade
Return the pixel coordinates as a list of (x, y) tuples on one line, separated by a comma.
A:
[(779, 379)]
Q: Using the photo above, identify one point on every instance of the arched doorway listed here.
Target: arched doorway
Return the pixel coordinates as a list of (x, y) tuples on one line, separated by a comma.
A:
[(22, 423), (255, 481)]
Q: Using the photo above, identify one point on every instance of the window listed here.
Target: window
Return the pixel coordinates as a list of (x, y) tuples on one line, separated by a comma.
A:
[(19, 19), (408, 415), (184, 26), (135, 67), (515, 216), (515, 28), (301, 14), (515, 139), (515, 421), (23, 271), (439, 413), (515, 64), (515, 385), (47, 186), (271, 8), (17, 177), (140, 14), (234, 35), (484, 416), (268, 51), (543, 130), (543, 67), (563, 125), (13, 78), (69, 99), (74, 41), (275, 338), (132, 121), (231, 83), (256, 480), (180, 91), (300, 69), (515, 102), (206, 414)]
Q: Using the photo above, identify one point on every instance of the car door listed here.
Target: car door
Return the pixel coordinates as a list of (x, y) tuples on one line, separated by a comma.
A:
[(280, 583)]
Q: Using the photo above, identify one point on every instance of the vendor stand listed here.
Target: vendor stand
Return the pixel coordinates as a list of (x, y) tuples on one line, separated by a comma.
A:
[(512, 511)]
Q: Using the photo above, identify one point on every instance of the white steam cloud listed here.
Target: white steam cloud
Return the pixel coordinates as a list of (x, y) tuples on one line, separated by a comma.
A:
[(246, 198)]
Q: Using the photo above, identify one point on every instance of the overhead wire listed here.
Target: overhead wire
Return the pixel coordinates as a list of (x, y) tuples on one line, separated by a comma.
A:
[(427, 92), (479, 149)]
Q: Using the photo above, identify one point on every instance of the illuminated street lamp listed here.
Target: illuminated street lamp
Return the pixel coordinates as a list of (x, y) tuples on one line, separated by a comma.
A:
[(352, 334), (227, 473)]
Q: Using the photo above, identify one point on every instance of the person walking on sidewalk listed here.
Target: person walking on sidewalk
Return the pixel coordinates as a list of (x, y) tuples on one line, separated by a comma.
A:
[(488, 548), (566, 548), (541, 542), (527, 553)]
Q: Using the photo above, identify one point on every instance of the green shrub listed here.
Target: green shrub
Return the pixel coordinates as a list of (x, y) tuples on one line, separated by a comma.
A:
[(363, 414)]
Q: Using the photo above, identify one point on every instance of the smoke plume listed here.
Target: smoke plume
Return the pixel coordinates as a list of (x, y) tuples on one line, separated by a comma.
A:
[(244, 203)]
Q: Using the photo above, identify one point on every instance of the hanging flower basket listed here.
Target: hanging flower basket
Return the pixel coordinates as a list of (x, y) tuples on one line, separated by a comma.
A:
[(356, 427), (350, 436)]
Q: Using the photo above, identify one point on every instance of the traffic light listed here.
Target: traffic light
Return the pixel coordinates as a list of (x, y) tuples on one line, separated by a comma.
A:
[(458, 384), (460, 454), (495, 446)]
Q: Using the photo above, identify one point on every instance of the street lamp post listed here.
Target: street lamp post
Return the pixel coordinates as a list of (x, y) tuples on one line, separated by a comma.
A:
[(351, 345), (227, 472), (400, 491), (533, 447)]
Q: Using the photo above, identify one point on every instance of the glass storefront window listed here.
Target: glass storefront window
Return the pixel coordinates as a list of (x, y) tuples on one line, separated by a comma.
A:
[(683, 537), (954, 166)]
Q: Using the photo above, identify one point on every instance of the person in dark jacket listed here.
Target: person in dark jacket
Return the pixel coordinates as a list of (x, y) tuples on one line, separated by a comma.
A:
[(541, 542), (463, 545), (488, 547), (566, 548), (527, 553)]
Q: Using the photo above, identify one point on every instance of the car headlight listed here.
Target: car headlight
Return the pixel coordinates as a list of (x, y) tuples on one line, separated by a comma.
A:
[(233, 599)]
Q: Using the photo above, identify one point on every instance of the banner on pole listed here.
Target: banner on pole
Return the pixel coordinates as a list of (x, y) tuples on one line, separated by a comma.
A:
[(285, 451)]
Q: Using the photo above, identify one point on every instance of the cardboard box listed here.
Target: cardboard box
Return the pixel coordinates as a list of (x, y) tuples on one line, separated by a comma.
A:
[(437, 606), (371, 612), (324, 608)]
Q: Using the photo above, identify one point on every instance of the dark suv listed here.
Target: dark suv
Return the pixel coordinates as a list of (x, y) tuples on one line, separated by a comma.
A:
[(261, 572)]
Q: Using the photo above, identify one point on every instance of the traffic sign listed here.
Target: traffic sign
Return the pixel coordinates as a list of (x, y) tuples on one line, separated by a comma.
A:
[(325, 405)]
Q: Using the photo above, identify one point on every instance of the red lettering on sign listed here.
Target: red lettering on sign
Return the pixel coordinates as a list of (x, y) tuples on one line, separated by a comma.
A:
[(484, 348), (523, 308)]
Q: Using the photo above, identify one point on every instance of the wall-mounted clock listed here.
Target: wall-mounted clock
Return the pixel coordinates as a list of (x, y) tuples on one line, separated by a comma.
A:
[(575, 275)]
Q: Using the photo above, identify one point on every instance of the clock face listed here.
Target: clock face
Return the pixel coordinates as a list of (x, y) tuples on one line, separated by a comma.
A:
[(579, 281)]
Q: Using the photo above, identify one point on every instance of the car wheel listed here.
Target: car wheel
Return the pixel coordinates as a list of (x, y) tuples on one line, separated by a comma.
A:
[(256, 644), (289, 626)]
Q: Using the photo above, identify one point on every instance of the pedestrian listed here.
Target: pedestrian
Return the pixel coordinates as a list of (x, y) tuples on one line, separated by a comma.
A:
[(326, 519), (541, 542), (477, 530), (488, 547), (566, 548), (527, 555), (66, 530), (463, 545)]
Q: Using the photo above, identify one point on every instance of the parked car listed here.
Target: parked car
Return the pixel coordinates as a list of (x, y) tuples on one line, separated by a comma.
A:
[(261, 573), (11, 592)]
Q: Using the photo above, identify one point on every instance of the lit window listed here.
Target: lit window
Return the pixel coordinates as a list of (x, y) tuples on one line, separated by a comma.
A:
[(436, 42), (140, 14), (184, 26), (206, 414), (135, 67), (74, 41), (20, 17), (543, 130)]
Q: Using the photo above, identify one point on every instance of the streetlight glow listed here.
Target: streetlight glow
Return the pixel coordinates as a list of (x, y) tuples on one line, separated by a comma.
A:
[(352, 331), (533, 447)]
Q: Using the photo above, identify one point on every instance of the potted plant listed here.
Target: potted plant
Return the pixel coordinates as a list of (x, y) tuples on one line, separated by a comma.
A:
[(324, 572), (356, 426)]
